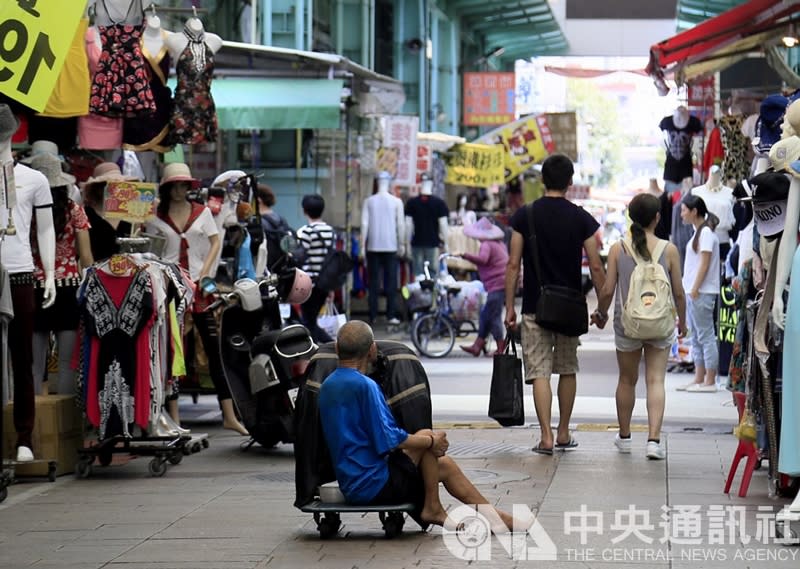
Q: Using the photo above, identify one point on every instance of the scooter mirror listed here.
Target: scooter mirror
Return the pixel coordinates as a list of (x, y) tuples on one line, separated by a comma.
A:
[(208, 285), (288, 243)]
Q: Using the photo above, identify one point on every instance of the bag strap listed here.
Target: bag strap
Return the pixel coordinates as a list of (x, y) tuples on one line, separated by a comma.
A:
[(661, 246), (534, 247), (510, 343)]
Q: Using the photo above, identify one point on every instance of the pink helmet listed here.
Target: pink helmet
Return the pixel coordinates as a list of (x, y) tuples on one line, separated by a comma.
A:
[(301, 288)]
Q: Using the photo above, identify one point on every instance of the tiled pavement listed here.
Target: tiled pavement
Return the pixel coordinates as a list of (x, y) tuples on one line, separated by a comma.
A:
[(224, 508)]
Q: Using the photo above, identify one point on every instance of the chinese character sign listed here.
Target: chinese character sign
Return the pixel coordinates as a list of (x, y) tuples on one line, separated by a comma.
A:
[(35, 36), (130, 201), (424, 166), (489, 98), (475, 165), (526, 142), (564, 130), (400, 132)]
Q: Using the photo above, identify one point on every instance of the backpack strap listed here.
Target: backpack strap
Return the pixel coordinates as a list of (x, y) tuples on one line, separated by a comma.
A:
[(659, 250), (661, 246)]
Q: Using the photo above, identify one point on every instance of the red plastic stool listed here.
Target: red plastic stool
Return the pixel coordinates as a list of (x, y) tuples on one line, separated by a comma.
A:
[(746, 449)]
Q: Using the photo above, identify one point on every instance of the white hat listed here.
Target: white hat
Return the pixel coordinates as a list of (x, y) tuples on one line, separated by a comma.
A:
[(784, 152), (178, 172), (108, 172), (43, 147), (50, 166), (220, 180)]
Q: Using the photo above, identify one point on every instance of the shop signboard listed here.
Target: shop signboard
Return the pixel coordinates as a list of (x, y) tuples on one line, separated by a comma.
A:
[(35, 37), (130, 201), (525, 142), (400, 134), (564, 130), (475, 165), (424, 166), (489, 98)]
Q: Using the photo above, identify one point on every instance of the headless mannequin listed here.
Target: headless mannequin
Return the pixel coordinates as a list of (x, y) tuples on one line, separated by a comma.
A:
[(465, 216), (680, 117), (443, 226), (384, 183), (21, 330), (720, 202), (153, 36), (177, 41), (110, 12)]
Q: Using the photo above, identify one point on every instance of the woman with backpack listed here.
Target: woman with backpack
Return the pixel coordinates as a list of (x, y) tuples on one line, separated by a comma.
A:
[(274, 225), (645, 273)]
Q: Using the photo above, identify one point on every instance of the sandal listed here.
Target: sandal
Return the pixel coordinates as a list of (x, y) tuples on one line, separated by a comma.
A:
[(539, 449), (571, 443)]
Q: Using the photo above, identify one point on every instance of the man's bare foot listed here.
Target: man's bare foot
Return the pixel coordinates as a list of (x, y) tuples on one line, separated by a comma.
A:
[(235, 425)]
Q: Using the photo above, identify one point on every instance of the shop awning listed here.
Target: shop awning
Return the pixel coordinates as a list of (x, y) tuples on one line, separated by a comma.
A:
[(258, 103), (718, 37)]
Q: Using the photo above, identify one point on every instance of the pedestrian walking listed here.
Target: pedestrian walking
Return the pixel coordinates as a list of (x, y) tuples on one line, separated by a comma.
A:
[(648, 267), (317, 238), (491, 260), (562, 231), (701, 280)]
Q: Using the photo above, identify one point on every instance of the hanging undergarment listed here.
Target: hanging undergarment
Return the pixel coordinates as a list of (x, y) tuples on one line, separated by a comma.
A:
[(121, 86), (148, 133), (194, 117)]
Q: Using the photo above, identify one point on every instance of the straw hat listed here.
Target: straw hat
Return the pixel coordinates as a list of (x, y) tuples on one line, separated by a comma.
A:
[(108, 172), (179, 172), (484, 230), (50, 166), (43, 147)]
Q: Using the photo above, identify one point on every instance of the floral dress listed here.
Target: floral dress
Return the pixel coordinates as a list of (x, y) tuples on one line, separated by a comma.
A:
[(194, 117), (121, 85)]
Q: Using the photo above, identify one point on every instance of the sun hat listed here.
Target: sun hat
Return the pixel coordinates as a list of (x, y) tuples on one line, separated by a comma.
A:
[(484, 230), (50, 166), (178, 172), (9, 123), (43, 147), (108, 172)]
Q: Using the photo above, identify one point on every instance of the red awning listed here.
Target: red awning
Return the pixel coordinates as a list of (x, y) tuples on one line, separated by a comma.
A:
[(714, 34)]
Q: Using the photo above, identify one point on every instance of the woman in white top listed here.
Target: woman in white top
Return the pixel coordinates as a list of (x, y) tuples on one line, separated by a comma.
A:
[(193, 242), (701, 281)]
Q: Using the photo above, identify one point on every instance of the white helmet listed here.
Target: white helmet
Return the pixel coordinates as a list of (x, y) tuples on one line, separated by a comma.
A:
[(220, 181)]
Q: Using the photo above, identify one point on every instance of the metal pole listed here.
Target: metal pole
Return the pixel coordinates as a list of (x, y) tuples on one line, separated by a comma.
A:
[(348, 208)]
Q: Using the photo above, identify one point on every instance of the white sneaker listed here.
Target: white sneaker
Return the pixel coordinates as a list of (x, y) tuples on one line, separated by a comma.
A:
[(623, 445), (702, 388), (24, 454), (655, 451), (393, 322)]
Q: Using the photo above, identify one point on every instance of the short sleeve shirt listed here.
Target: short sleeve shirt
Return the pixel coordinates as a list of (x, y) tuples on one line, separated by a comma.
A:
[(66, 269), (678, 164), (32, 193), (360, 431), (426, 211), (561, 229), (196, 235), (708, 243)]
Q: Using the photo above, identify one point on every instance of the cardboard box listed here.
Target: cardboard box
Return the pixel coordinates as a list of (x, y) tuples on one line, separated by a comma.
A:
[(57, 435)]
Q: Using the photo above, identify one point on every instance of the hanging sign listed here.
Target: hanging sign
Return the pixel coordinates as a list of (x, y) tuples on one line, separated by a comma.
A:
[(526, 142), (424, 166), (475, 165), (130, 201), (35, 36), (386, 160), (564, 130), (400, 133), (489, 98)]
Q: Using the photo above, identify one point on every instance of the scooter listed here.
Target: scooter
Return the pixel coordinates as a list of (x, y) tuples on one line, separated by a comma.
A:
[(263, 361)]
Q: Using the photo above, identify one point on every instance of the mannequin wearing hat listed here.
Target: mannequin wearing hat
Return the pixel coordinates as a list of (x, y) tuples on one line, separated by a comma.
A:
[(32, 201), (383, 238), (104, 232), (193, 242), (426, 227), (72, 247)]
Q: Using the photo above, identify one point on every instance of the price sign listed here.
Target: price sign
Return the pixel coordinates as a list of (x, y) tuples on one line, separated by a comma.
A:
[(130, 201), (35, 36)]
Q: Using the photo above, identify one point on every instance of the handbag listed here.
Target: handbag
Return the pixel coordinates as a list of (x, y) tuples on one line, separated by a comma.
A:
[(331, 320), (560, 309), (506, 403)]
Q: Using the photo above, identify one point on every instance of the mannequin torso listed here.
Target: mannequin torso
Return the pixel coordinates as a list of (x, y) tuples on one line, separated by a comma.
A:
[(153, 37), (720, 201), (176, 42), (110, 12), (382, 221)]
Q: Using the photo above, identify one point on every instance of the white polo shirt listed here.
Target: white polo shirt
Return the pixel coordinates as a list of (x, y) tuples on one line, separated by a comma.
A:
[(196, 236), (32, 193)]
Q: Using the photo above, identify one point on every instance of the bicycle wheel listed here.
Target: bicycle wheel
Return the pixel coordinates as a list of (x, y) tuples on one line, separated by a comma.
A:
[(433, 335)]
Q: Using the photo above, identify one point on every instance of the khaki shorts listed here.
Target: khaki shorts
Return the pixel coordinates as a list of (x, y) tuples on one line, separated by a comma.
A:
[(545, 352)]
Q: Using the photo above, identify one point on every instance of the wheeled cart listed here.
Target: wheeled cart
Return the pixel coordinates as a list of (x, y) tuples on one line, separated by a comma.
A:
[(327, 516)]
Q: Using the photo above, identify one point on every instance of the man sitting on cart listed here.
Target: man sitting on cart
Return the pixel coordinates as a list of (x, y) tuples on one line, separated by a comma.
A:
[(376, 462)]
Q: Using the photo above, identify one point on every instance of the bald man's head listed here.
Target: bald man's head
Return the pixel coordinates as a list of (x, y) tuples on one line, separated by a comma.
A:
[(354, 341)]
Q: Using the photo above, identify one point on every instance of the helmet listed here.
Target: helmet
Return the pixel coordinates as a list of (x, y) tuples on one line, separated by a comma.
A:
[(300, 289), (222, 179)]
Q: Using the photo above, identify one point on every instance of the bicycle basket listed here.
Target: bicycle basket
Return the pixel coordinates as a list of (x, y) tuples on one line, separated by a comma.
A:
[(418, 299)]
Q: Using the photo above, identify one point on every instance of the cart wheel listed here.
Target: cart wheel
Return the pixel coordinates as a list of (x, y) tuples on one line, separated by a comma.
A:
[(3, 493), (186, 450), (104, 457), (83, 468), (175, 458), (786, 533), (196, 447), (392, 524), (205, 443), (51, 471), (329, 526), (157, 467)]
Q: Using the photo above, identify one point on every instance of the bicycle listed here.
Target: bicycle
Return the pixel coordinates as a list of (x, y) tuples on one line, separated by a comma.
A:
[(434, 333)]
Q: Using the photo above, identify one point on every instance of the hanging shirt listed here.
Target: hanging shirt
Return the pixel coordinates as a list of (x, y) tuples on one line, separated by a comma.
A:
[(70, 96), (33, 192), (679, 144), (719, 201), (708, 243)]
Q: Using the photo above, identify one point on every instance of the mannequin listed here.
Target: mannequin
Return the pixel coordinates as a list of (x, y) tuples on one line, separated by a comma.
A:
[(464, 216), (176, 42), (653, 188), (32, 199), (720, 201), (678, 130), (383, 239), (110, 12), (426, 227), (153, 36)]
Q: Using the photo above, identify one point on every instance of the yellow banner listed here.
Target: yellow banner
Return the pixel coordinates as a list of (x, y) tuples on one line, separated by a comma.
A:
[(35, 36), (130, 201), (525, 142), (475, 165)]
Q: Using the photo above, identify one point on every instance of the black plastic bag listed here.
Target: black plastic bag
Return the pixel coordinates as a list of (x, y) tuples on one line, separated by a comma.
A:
[(505, 397)]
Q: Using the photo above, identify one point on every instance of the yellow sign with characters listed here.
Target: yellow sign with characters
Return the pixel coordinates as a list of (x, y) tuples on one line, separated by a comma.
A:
[(130, 201), (525, 142), (475, 165), (35, 36)]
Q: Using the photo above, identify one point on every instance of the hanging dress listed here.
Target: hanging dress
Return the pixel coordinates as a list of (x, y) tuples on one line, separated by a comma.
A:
[(96, 132), (194, 117), (121, 86), (734, 163), (148, 132)]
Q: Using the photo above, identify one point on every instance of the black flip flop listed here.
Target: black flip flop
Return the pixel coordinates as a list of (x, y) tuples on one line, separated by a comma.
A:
[(539, 449), (572, 443)]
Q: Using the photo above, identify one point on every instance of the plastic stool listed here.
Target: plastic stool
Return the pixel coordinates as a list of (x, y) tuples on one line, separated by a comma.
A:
[(746, 449)]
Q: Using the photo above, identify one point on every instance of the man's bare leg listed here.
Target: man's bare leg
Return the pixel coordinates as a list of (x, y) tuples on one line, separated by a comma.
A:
[(543, 401), (567, 387), (460, 488)]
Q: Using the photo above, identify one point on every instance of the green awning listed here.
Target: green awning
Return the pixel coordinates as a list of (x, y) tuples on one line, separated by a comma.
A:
[(245, 103)]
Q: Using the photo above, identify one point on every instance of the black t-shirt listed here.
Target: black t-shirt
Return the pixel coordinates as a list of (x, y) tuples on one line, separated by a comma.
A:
[(103, 236), (679, 143), (426, 211), (561, 229)]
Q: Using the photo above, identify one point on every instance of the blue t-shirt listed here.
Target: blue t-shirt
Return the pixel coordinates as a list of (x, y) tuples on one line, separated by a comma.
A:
[(360, 431)]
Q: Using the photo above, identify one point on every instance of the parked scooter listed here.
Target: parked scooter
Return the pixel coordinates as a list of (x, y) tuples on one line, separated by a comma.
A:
[(263, 361)]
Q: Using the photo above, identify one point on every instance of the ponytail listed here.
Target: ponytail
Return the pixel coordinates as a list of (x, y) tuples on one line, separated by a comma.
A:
[(642, 210), (639, 238)]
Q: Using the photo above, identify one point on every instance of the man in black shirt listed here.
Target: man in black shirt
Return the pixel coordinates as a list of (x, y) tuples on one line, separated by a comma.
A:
[(563, 231)]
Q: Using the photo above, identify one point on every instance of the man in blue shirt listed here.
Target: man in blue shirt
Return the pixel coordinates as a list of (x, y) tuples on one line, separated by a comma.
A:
[(377, 462)]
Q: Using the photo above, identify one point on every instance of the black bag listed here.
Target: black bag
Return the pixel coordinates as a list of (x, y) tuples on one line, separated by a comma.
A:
[(334, 270), (505, 397), (275, 228), (560, 309)]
